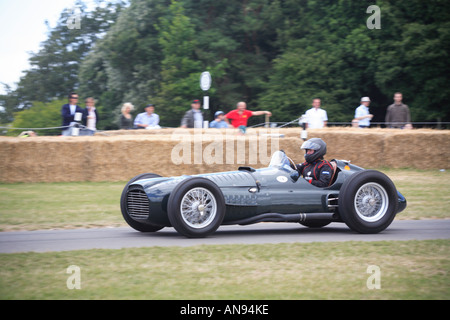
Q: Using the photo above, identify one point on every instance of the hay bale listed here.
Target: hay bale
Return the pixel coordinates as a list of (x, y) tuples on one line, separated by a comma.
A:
[(41, 159), (120, 157), (424, 149)]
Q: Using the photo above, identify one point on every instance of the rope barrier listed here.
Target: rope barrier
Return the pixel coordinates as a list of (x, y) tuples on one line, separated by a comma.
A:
[(350, 123), (35, 129), (283, 124)]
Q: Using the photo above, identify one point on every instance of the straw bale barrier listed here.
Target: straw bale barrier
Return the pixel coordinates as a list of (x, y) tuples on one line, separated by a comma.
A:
[(120, 155)]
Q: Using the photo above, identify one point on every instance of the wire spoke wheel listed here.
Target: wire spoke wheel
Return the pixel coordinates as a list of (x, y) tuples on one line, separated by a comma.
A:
[(368, 201), (198, 208), (371, 202)]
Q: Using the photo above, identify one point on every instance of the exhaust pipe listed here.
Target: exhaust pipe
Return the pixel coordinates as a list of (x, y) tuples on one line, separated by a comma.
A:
[(280, 217)]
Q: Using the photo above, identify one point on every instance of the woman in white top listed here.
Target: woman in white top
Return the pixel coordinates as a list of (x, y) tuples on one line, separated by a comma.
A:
[(91, 114)]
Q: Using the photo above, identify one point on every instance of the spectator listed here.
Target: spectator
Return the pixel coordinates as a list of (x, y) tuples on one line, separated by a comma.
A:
[(147, 119), (397, 115), (68, 113), (91, 115), (194, 117), (316, 117), (219, 121), (239, 116), (126, 120), (362, 113), (27, 134)]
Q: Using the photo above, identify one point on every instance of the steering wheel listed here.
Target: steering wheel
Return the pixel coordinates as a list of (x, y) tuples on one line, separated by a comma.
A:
[(292, 163)]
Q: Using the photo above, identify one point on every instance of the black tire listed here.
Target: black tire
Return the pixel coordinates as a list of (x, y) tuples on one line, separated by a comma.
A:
[(315, 224), (368, 201), (196, 207), (139, 226)]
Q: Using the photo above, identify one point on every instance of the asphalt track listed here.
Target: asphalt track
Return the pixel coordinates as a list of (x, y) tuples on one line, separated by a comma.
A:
[(126, 237)]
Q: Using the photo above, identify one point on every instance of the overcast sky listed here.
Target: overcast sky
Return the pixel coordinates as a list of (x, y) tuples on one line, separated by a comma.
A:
[(22, 29)]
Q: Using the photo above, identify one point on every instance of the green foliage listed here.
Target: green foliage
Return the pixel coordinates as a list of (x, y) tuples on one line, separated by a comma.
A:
[(323, 58), (8, 103), (414, 56), (40, 115), (125, 65), (275, 55), (54, 68), (180, 68)]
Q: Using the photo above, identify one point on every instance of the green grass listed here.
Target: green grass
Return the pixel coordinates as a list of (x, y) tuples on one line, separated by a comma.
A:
[(32, 206), (427, 192), (408, 270)]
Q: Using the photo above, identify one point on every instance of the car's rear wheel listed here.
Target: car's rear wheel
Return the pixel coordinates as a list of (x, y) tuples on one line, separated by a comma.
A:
[(137, 225), (196, 207), (368, 201)]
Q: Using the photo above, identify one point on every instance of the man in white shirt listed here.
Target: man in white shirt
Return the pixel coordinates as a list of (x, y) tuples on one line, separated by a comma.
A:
[(147, 119), (316, 117), (362, 113)]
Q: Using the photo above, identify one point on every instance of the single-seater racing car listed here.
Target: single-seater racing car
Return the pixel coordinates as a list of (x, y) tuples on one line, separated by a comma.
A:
[(196, 205)]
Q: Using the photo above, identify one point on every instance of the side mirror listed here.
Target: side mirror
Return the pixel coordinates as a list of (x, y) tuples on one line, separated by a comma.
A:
[(295, 175)]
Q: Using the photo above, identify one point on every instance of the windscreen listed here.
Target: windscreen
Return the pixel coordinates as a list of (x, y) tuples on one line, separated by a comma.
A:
[(280, 160)]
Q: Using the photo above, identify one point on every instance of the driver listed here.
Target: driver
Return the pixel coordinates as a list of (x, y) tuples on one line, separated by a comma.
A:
[(316, 170)]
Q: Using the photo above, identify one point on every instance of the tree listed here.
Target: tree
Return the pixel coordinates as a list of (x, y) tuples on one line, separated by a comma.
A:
[(414, 56), (40, 115), (325, 55), (125, 65), (54, 69), (181, 66), (329, 52), (273, 54), (8, 104)]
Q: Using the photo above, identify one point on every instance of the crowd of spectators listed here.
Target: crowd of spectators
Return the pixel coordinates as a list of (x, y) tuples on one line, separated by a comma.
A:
[(72, 114), (397, 116)]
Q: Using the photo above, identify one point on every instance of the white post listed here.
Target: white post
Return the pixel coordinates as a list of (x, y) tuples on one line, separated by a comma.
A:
[(77, 119), (205, 85)]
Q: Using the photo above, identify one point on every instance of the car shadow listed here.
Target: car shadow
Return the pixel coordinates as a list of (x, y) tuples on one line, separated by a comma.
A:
[(258, 230)]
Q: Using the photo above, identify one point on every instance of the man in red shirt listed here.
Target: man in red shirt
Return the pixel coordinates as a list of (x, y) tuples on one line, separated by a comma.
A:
[(240, 115)]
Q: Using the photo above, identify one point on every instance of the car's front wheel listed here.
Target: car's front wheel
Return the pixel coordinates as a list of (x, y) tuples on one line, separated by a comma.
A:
[(196, 207), (368, 201)]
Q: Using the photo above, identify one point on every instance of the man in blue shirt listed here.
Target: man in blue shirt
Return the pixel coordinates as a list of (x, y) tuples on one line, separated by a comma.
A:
[(219, 121), (362, 113), (147, 119)]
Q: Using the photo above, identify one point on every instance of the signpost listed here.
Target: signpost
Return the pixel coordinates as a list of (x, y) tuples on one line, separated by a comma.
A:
[(205, 85), (205, 81)]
